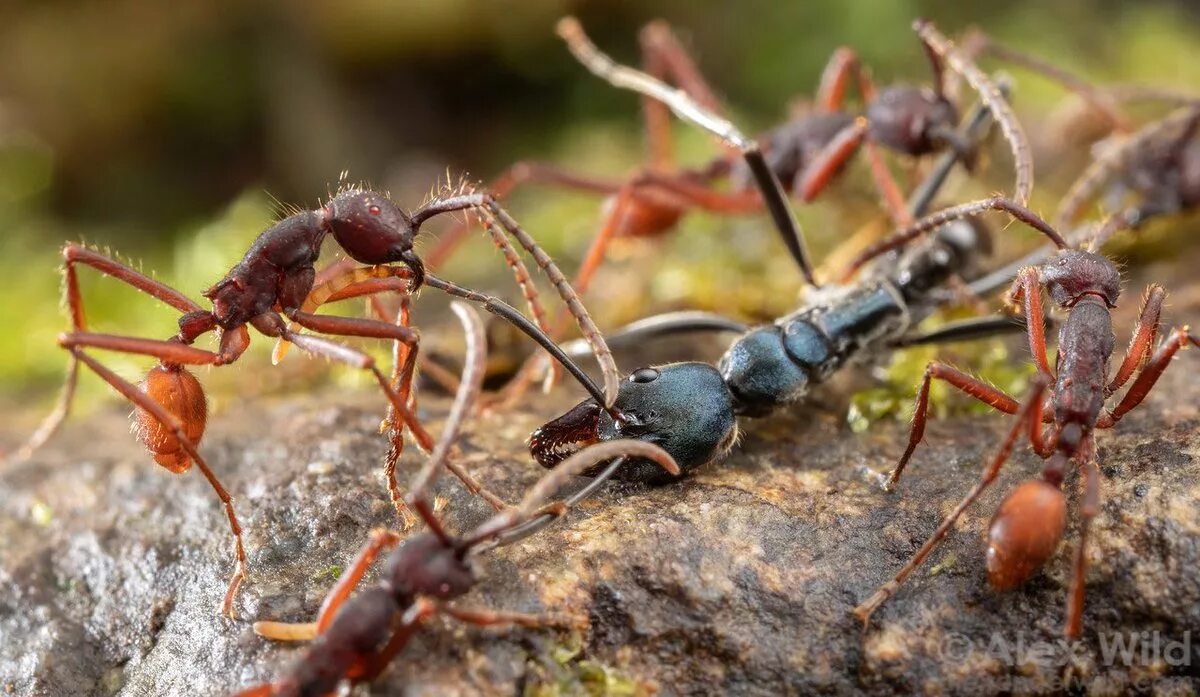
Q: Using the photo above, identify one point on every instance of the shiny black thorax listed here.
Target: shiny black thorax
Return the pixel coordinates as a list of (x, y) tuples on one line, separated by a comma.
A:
[(777, 364)]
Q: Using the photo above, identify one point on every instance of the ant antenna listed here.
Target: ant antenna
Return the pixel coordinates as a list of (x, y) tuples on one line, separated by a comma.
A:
[(938, 44), (531, 505), (469, 388), (678, 101)]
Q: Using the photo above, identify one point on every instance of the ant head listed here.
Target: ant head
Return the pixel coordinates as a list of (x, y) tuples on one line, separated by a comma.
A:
[(912, 120), (1024, 532), (371, 228), (1075, 273), (960, 245), (424, 565), (684, 408)]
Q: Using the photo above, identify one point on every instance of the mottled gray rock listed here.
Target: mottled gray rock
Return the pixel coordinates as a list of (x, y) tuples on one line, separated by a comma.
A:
[(737, 580)]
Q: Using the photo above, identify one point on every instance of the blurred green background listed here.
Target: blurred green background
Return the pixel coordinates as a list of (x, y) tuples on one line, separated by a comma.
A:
[(168, 131)]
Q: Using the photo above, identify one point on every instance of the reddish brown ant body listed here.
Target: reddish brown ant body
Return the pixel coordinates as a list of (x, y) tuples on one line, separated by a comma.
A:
[(1029, 524), (355, 638), (805, 153), (272, 282)]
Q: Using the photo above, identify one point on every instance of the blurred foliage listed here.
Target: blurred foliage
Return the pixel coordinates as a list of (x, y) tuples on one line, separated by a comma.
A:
[(158, 129)]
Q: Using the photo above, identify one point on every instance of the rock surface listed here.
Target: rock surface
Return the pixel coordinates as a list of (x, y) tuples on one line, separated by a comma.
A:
[(739, 580)]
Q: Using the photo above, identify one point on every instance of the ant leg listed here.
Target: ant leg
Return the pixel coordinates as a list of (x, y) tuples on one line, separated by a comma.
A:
[(829, 161), (1143, 338), (412, 619), (615, 219), (1027, 287), (168, 420), (74, 254), (469, 387), (980, 390), (1148, 377), (689, 110), (348, 326), (887, 590), (494, 618), (936, 220), (379, 542), (843, 64), (1087, 510), (892, 198), (964, 330)]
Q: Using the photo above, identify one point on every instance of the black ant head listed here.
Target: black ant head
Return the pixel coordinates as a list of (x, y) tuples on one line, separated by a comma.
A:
[(684, 408), (913, 120), (957, 248), (424, 565), (1075, 273), (372, 229)]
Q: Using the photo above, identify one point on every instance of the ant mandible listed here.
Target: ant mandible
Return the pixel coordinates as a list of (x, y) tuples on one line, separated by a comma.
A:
[(355, 638), (1029, 523), (271, 282)]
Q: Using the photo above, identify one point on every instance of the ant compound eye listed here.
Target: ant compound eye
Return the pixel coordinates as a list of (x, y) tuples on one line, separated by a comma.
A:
[(644, 375)]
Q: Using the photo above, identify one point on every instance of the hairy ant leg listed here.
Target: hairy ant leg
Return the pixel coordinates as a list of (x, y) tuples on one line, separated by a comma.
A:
[(1148, 376), (887, 590), (1088, 508), (843, 65), (179, 431), (380, 541), (1142, 342), (974, 387), (74, 254)]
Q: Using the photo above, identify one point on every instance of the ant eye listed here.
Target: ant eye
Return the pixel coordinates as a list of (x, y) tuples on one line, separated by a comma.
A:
[(644, 375), (373, 210)]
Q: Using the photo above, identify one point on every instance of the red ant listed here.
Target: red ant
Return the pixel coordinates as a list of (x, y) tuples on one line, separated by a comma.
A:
[(273, 281), (355, 638), (1028, 525), (806, 153)]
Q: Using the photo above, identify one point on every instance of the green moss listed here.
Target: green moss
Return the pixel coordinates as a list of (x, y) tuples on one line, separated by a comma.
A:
[(568, 673)]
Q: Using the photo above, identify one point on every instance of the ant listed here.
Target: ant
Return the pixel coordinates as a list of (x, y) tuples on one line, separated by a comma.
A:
[(355, 638), (806, 153), (691, 408), (273, 281), (1160, 162), (1028, 525)]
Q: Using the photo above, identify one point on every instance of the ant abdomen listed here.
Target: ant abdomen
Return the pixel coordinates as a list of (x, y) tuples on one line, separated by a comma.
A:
[(1024, 532), (179, 392)]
